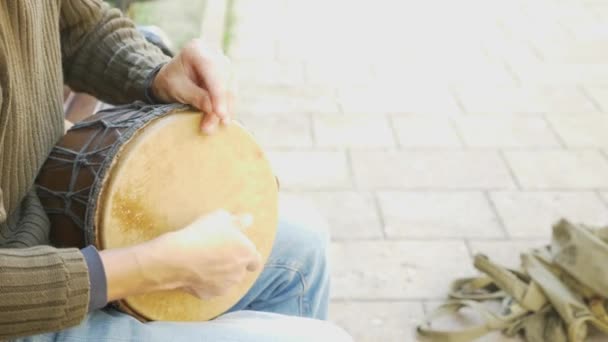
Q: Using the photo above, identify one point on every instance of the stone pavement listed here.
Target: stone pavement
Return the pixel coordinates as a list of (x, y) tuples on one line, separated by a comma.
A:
[(427, 131)]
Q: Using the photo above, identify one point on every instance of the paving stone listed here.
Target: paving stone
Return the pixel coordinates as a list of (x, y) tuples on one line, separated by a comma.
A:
[(533, 99), (425, 131), (531, 23), (402, 99), (474, 73), (429, 70), (286, 100), (509, 100), (310, 169), (581, 130), (599, 95), (571, 51), (508, 49), (506, 253), (555, 169), (397, 269), (279, 130), (438, 215), (343, 72), (562, 74), (254, 73), (431, 170), (352, 130), (501, 131), (588, 30), (250, 49), (302, 212), (351, 214), (532, 214), (378, 321)]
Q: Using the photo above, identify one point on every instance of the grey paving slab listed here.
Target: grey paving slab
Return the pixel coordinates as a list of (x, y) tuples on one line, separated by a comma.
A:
[(581, 130), (562, 75), (378, 321), (264, 72), (410, 99), (352, 131), (310, 169), (524, 100), (559, 169), (397, 269), (283, 100), (599, 95), (343, 73), (505, 131), (425, 131), (438, 215), (279, 130), (507, 253), (437, 169), (572, 51), (351, 214), (532, 214)]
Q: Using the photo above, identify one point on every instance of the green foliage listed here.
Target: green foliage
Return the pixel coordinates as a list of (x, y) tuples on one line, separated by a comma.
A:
[(180, 19), (229, 29)]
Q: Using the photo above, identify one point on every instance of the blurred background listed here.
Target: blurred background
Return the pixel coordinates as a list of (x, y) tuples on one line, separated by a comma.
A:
[(424, 130)]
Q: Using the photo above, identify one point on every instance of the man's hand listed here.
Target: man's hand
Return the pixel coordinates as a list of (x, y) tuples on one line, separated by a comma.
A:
[(212, 254), (205, 259), (200, 77)]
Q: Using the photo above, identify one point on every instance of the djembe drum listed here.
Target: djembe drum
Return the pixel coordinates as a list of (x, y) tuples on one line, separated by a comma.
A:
[(129, 174)]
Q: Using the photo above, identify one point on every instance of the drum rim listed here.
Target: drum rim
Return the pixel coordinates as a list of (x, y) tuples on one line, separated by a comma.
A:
[(128, 120), (142, 118)]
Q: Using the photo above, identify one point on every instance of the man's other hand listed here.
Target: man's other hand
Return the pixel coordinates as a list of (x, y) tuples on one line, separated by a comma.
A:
[(201, 77), (206, 258)]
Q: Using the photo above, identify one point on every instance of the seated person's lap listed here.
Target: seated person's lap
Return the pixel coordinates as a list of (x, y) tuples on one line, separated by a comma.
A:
[(290, 293)]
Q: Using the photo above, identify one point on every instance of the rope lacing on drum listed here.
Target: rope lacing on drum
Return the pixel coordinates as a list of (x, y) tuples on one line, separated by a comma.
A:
[(93, 155)]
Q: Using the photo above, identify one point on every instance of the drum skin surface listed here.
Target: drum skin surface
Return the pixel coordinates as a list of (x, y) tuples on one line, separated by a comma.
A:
[(166, 175)]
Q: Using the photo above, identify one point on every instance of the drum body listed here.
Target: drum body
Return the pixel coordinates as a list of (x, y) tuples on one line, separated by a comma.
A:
[(129, 174)]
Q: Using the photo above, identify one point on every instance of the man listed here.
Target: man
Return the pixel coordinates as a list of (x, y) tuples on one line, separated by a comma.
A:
[(56, 294)]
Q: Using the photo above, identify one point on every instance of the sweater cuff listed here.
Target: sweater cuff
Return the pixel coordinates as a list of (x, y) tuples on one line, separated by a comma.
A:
[(148, 93), (97, 278)]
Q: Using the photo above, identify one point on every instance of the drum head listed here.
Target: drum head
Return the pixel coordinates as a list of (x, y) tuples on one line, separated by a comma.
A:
[(169, 174)]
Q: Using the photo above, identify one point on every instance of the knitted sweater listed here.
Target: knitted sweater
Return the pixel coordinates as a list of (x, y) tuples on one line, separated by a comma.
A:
[(44, 43)]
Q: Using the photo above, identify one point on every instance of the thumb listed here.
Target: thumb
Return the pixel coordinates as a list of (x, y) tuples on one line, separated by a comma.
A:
[(244, 222)]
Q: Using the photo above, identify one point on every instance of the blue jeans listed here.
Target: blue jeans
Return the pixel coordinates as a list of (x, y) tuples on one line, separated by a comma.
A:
[(288, 302)]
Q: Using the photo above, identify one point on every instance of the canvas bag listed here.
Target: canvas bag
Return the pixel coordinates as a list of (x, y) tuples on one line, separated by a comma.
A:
[(559, 290)]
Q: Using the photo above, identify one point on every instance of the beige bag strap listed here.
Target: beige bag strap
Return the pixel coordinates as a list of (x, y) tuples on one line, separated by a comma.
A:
[(558, 293), (491, 323), (499, 283), (476, 288), (528, 294)]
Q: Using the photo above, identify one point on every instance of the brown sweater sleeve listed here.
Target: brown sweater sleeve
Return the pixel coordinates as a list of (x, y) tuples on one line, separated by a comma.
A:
[(103, 54), (42, 289)]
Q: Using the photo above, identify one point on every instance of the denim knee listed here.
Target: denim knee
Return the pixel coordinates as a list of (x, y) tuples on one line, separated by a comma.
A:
[(305, 244)]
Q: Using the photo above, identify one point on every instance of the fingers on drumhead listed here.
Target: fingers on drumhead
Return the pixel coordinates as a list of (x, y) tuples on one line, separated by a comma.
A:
[(222, 217)]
